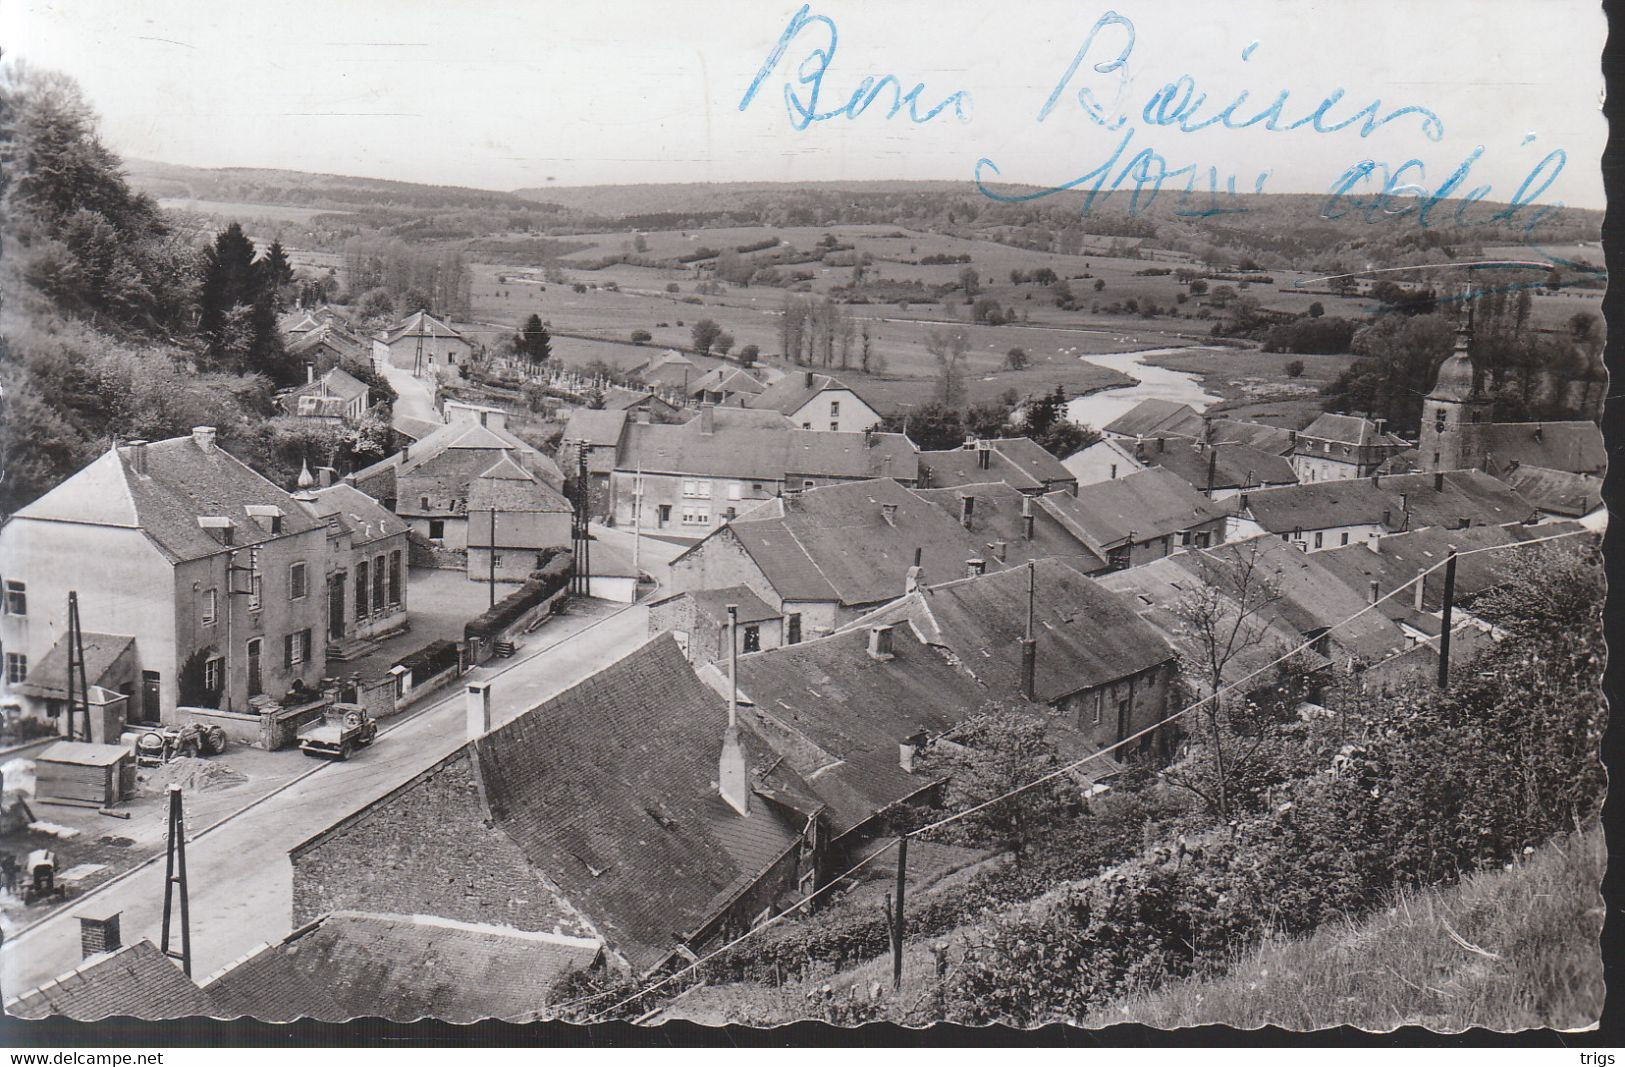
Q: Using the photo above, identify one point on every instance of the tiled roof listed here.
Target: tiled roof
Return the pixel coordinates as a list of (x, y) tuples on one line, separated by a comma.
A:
[(401, 968), (336, 382), (609, 789), (364, 518), (416, 429), (1149, 504), (725, 379), (48, 677), (619, 399), (713, 604), (420, 324), (1275, 440), (137, 981), (1086, 636), (332, 335), (1352, 430), (762, 446), (468, 437), (835, 543), (1471, 495), (1150, 416), (837, 715), (600, 428), (1565, 446), (182, 483), (996, 516), (506, 486), (795, 389), (1558, 492)]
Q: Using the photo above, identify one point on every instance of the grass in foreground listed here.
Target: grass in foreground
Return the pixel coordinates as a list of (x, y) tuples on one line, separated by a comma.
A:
[(1506, 950)]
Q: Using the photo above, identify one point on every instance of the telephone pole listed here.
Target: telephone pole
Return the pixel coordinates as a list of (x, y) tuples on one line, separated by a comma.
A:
[(1445, 620), (175, 878), (78, 684)]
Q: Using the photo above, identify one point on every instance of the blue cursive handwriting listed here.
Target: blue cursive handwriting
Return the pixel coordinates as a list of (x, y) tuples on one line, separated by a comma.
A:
[(810, 73), (1395, 192)]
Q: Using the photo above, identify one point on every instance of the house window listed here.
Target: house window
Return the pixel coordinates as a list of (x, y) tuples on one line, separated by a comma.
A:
[(696, 517), (700, 489), (211, 606), (834, 409), (394, 579), (1202, 539), (424, 501), (756, 488), (834, 427), (753, 639), (437, 529), (807, 483), (1100, 705), (214, 674), (255, 589), (1319, 539), (792, 628), (298, 582), (496, 559), (380, 577), (16, 598), (16, 667), (361, 590), (806, 426), (1345, 539), (296, 648)]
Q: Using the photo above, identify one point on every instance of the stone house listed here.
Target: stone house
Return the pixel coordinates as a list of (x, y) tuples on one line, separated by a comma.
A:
[(698, 619), (1140, 517), (423, 345), (813, 401), (367, 557)]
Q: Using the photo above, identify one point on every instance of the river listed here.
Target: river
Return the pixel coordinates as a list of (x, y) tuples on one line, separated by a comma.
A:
[(1154, 383)]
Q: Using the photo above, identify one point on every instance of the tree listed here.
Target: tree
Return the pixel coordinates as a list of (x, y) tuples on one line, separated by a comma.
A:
[(748, 355), (1221, 620), (640, 243), (376, 303), (1000, 748), (988, 310), (1198, 287), (1294, 368), (1065, 438), (278, 270), (1016, 359), (705, 334), (948, 348), (641, 337), (1100, 285), (533, 343), (1317, 309), (970, 282), (724, 343), (1064, 299)]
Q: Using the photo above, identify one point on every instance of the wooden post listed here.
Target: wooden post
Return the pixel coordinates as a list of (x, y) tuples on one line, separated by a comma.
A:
[(898, 922), (493, 556), (1445, 619), (175, 878)]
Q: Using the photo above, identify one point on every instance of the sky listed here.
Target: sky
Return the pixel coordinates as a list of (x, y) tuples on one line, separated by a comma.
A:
[(520, 94)]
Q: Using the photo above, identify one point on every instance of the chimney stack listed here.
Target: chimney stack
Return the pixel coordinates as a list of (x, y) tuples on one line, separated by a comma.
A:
[(807, 379), (1376, 591), (733, 777), (1438, 481), (708, 418), (1372, 542), (967, 509), (1162, 445), (204, 437), (98, 931), (916, 574), (1420, 591), (889, 513), (1292, 438), (324, 476), (1029, 643), (479, 710), (975, 568), (1001, 549), (1405, 503), (880, 643), (1027, 518), (310, 372), (905, 756), (137, 451)]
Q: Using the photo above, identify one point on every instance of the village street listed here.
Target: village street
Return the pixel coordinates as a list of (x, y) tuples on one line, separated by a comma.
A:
[(239, 874), (414, 397)]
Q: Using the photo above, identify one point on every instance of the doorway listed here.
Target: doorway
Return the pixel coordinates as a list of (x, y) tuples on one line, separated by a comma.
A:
[(149, 696), (335, 606), (256, 684)]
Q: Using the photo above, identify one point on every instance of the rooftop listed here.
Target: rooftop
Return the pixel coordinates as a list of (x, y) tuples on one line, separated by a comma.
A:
[(1152, 416), (754, 445), (598, 428), (996, 516), (1352, 430), (795, 389), (1146, 504), (363, 517), (1232, 466), (1576, 447), (1017, 460), (420, 324), (1399, 501), (1554, 491), (138, 981)]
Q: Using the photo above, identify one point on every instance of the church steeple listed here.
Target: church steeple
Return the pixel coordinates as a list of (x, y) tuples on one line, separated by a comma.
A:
[(1456, 405)]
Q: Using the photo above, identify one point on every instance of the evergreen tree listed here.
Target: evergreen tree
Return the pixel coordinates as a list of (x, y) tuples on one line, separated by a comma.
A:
[(532, 343)]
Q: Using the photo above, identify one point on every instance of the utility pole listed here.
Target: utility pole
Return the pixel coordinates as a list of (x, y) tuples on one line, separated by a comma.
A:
[(78, 684), (175, 878), (493, 555), (1445, 619), (733, 666), (898, 925), (637, 514), (1029, 645)]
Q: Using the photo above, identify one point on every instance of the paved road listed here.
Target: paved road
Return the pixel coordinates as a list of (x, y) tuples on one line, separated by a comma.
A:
[(414, 397), (241, 880)]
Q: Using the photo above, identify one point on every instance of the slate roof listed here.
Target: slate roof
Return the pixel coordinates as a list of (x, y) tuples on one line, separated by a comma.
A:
[(1471, 495), (713, 604), (1352, 430), (363, 517), (837, 715), (609, 788), (416, 429), (1234, 466), (834, 542), (1554, 491), (1275, 440), (599, 428), (755, 445), (401, 968), (1564, 446), (472, 446), (506, 486), (48, 677), (137, 981), (420, 324), (1017, 460), (1151, 416), (337, 382), (182, 484), (996, 516), (727, 380), (1149, 504), (1087, 636), (792, 392), (619, 399), (331, 335)]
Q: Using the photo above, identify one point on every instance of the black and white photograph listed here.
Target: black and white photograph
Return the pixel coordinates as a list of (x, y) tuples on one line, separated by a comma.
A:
[(641, 518)]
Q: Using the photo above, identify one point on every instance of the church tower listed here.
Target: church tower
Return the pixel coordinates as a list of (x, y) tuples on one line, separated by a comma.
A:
[(1455, 408)]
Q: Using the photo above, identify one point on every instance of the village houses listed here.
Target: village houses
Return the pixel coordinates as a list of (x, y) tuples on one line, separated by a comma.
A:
[(367, 560), (1140, 517), (423, 345), (814, 401)]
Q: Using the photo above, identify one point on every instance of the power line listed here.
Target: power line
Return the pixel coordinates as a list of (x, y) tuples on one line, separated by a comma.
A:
[(1051, 776)]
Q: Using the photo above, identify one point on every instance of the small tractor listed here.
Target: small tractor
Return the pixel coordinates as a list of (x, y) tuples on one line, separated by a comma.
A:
[(42, 881), (156, 747), (341, 730)]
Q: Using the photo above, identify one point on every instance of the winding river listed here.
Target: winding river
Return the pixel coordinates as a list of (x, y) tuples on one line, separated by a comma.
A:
[(1154, 383)]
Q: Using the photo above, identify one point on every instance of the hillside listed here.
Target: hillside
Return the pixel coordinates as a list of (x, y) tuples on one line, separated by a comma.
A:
[(1505, 950)]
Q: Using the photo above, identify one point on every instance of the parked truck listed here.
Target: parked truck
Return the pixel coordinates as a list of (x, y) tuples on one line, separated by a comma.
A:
[(341, 730)]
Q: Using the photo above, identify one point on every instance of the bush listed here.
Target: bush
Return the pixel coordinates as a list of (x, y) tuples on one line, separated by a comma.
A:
[(1294, 368), (641, 337)]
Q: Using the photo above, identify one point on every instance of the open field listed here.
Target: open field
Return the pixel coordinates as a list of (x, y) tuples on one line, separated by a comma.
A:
[(1503, 950), (234, 210), (1253, 385)]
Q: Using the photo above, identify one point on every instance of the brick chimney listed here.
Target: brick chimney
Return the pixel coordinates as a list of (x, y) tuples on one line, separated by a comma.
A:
[(310, 372), (479, 709), (204, 437), (1419, 590), (1376, 590), (984, 455), (967, 509), (98, 931), (708, 419), (880, 643), (905, 756), (137, 453), (733, 777), (975, 568)]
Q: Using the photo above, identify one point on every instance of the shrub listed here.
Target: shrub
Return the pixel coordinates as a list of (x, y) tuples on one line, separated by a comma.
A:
[(1294, 368), (641, 337)]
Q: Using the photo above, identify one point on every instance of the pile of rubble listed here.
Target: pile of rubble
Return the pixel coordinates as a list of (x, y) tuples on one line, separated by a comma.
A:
[(193, 775)]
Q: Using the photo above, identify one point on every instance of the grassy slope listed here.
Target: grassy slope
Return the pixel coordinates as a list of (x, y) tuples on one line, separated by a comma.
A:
[(1534, 960)]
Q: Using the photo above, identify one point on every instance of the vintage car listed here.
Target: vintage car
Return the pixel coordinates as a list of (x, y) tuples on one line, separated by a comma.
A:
[(341, 730)]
